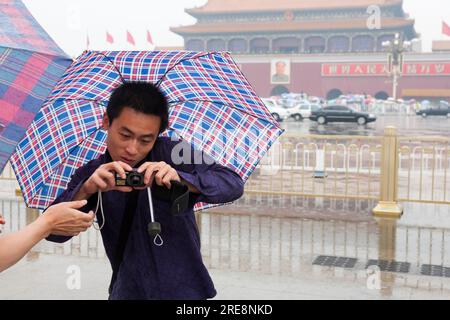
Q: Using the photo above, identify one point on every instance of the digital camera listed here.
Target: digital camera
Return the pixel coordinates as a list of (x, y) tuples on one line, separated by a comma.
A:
[(132, 179)]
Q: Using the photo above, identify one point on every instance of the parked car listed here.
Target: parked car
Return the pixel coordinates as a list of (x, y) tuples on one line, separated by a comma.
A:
[(339, 113), (303, 110), (287, 103), (294, 96), (441, 110), (277, 111)]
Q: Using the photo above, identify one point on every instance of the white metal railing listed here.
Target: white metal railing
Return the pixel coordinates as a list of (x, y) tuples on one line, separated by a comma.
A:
[(353, 167)]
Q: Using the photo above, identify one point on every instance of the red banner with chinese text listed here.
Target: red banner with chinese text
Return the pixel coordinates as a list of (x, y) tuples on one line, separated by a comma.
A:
[(381, 69)]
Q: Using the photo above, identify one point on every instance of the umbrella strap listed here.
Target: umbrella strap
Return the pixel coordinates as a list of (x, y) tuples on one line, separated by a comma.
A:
[(99, 204), (157, 239)]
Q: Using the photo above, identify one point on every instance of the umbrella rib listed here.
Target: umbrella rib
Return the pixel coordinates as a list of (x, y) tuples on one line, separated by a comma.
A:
[(48, 54), (232, 59), (114, 66), (78, 99), (226, 105), (181, 101), (180, 62), (218, 102), (65, 159)]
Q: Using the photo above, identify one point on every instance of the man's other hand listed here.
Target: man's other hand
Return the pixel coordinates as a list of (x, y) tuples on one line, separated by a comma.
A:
[(160, 172)]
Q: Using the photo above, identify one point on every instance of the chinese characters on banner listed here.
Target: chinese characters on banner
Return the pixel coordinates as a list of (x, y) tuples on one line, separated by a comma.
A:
[(381, 69)]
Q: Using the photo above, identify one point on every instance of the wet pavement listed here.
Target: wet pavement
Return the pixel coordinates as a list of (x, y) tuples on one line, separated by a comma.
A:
[(321, 249)]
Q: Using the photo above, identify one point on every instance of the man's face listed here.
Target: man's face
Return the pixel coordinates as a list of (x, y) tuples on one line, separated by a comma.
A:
[(280, 67), (131, 136)]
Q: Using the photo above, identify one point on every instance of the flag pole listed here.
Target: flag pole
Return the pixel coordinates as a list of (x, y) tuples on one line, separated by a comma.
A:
[(109, 40), (150, 40), (130, 39), (445, 29), (88, 42)]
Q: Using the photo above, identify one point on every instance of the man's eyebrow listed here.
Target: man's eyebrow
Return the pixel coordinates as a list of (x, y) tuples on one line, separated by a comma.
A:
[(150, 135), (126, 130)]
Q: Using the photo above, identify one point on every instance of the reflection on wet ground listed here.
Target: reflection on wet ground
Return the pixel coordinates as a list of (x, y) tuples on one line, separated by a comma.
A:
[(275, 247), (407, 125), (335, 237)]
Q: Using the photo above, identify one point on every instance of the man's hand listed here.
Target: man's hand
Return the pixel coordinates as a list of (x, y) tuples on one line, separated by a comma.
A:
[(103, 179), (64, 219), (161, 172)]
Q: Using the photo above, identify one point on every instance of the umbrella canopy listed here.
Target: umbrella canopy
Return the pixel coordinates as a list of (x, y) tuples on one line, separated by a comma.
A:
[(212, 106), (30, 66)]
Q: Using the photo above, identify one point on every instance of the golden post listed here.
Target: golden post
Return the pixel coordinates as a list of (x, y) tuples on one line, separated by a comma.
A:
[(387, 206)]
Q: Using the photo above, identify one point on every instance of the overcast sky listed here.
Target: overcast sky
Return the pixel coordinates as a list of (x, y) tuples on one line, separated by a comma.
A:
[(68, 21)]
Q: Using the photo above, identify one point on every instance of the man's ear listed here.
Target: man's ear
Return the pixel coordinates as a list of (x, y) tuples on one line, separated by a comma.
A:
[(106, 123)]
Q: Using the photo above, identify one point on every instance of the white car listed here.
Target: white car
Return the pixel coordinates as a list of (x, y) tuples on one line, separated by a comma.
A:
[(277, 111), (303, 110)]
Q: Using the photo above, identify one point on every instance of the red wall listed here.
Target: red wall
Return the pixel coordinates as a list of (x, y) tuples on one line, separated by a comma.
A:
[(307, 77)]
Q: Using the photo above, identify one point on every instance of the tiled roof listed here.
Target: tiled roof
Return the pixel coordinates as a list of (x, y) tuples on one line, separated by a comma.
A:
[(234, 6), (206, 28)]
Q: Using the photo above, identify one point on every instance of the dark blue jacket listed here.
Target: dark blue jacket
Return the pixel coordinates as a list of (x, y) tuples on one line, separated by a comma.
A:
[(174, 270)]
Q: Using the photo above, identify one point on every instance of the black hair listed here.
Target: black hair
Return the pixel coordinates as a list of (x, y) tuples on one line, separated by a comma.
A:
[(142, 97)]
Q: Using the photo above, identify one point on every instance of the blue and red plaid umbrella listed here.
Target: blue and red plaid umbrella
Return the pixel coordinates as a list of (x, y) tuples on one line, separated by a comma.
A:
[(212, 106), (30, 66)]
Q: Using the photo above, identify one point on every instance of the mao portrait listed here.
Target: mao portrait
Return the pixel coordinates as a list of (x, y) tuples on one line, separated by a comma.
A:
[(280, 71)]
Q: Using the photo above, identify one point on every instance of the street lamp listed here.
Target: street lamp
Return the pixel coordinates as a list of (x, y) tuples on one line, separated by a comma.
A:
[(396, 48)]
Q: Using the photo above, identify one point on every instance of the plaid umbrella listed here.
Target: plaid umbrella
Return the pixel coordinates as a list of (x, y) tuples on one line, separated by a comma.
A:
[(30, 66), (212, 106)]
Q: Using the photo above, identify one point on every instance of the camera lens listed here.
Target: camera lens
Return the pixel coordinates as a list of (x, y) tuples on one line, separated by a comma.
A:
[(135, 180)]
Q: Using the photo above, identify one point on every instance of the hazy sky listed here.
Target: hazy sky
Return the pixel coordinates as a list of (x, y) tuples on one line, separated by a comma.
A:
[(68, 21)]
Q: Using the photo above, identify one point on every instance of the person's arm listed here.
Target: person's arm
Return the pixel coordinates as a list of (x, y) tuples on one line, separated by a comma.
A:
[(62, 219), (210, 181), (213, 183), (207, 181)]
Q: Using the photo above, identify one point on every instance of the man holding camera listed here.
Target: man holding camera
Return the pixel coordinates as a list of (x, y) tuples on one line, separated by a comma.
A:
[(136, 114)]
